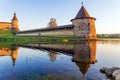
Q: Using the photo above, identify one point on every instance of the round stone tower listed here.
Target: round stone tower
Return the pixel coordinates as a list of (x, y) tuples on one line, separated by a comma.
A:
[(84, 25)]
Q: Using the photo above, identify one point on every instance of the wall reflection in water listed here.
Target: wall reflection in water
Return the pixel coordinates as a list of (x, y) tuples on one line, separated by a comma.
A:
[(83, 54), (12, 52)]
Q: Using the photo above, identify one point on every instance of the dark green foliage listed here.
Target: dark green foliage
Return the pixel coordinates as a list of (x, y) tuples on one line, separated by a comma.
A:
[(108, 35)]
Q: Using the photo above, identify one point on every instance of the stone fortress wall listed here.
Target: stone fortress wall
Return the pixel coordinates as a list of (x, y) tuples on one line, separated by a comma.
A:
[(5, 25), (58, 32), (82, 26), (66, 32), (10, 25)]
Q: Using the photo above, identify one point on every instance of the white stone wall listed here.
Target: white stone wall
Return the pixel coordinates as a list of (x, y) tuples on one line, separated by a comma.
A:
[(82, 27), (50, 32), (58, 32), (28, 34)]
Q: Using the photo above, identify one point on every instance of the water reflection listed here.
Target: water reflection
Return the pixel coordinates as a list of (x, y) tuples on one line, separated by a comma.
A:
[(75, 61), (52, 55), (83, 54), (12, 52), (83, 67), (113, 42)]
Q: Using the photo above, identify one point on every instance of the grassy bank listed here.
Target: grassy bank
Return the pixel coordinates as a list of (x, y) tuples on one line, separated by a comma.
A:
[(6, 33), (9, 37)]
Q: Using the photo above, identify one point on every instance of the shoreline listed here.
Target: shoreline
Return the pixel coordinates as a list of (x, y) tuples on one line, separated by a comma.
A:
[(108, 39)]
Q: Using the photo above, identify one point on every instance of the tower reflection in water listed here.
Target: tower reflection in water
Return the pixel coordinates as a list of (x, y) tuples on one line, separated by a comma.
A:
[(12, 52), (83, 54)]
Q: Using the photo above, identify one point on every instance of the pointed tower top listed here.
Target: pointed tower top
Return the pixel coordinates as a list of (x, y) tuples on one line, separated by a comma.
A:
[(14, 17), (82, 3), (82, 13), (83, 67), (14, 56)]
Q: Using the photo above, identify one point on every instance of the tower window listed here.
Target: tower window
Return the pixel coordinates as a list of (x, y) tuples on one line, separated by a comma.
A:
[(88, 24)]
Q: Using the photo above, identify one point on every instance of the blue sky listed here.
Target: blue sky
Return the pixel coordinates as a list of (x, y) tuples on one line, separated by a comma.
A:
[(36, 13)]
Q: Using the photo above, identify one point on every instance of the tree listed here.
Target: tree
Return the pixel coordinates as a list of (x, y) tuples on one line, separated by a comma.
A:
[(52, 23)]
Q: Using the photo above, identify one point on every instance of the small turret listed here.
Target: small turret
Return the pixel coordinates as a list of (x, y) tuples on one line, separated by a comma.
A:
[(15, 22), (14, 17)]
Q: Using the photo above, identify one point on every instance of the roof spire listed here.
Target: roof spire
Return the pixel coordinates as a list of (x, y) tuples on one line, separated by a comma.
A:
[(82, 13), (14, 17), (14, 13), (82, 3)]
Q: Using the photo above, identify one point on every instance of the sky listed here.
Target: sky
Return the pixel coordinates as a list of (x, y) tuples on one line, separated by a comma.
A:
[(33, 14)]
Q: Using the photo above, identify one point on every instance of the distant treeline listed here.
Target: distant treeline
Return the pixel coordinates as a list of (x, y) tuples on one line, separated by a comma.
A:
[(108, 35)]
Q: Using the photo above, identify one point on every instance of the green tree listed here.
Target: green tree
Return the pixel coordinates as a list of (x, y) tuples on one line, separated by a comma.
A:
[(52, 23)]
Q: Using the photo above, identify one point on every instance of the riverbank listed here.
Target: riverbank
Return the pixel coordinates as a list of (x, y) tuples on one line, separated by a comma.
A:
[(8, 37), (46, 39), (105, 57), (108, 39)]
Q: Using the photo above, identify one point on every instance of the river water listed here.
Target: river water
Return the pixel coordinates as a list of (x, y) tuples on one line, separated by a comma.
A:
[(76, 61)]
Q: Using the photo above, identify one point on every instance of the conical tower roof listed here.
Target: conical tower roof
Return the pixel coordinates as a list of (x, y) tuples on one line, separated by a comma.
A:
[(14, 17), (14, 55), (83, 67), (83, 14)]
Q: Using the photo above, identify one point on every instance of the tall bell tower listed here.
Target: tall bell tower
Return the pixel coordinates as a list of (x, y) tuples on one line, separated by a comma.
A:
[(84, 24)]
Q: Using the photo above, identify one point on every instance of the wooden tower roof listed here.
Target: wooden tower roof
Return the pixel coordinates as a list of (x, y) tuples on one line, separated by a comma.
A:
[(83, 14)]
